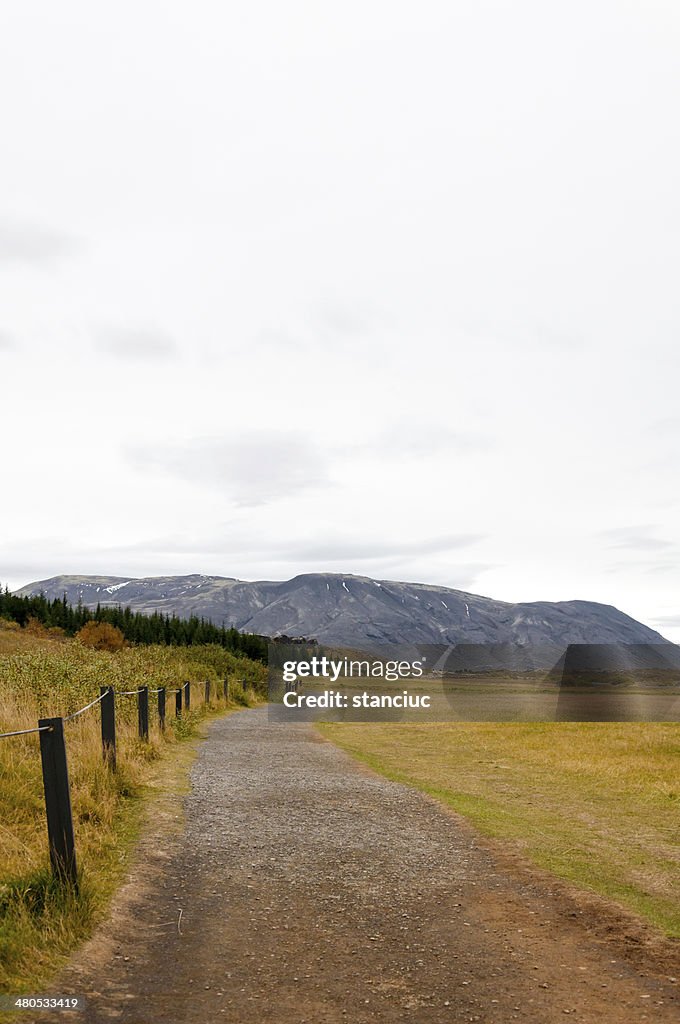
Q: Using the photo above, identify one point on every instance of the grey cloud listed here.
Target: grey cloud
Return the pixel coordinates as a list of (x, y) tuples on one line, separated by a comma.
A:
[(461, 577), (665, 426), (344, 319), (7, 343), (334, 550), (273, 339), (665, 621), (229, 552), (234, 541), (42, 557), (552, 336), (135, 343), (252, 469), (337, 324), (353, 324), (17, 572), (531, 336), (636, 538), (29, 244), (419, 440), (625, 568), (45, 556)]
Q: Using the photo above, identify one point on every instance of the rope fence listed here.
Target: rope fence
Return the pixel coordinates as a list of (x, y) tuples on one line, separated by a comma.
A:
[(69, 718), (22, 732), (54, 764)]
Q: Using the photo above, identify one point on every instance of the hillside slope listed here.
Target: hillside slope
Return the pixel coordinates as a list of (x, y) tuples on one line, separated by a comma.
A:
[(357, 611)]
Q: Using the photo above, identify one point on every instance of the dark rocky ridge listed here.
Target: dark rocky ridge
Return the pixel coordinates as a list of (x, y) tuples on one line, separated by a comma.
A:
[(356, 611)]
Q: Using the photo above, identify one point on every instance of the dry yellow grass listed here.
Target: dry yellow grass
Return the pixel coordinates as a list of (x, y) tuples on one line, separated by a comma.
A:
[(40, 677), (596, 803)]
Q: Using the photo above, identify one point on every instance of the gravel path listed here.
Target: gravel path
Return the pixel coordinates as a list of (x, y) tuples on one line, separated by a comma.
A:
[(306, 889)]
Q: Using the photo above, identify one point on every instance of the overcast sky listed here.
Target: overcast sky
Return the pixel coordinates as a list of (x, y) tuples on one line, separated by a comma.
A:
[(374, 287)]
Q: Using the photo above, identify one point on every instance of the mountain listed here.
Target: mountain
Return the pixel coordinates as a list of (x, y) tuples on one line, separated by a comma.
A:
[(356, 611)]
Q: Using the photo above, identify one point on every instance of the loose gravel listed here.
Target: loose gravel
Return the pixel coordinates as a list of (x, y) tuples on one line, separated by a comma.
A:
[(303, 888)]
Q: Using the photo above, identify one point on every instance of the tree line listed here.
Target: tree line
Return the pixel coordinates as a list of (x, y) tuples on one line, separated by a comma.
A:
[(136, 627)]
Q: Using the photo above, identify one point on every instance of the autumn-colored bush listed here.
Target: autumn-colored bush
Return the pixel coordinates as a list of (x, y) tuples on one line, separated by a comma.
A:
[(34, 627), (102, 636)]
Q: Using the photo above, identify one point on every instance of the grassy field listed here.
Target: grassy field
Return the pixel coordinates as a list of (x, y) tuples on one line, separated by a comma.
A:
[(40, 675), (597, 804)]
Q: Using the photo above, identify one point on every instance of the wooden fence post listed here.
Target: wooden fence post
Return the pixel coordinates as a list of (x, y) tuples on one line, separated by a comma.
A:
[(108, 715), (178, 702), (161, 708), (143, 713), (207, 691), (226, 688), (58, 800), (187, 695)]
